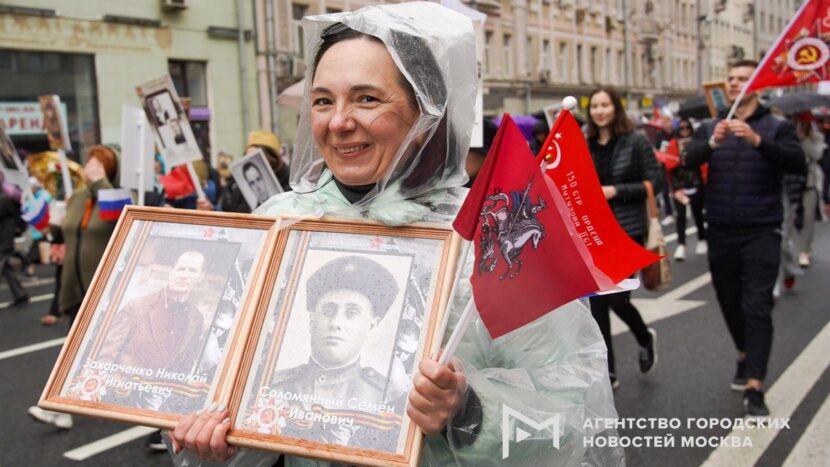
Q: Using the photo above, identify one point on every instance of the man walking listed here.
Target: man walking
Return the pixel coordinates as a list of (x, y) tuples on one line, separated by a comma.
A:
[(747, 157)]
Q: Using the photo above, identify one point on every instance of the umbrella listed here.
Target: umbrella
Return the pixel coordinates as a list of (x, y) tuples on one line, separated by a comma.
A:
[(694, 107), (801, 102), (292, 96)]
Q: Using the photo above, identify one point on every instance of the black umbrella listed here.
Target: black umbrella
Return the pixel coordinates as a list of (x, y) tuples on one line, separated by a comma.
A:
[(694, 107), (800, 102)]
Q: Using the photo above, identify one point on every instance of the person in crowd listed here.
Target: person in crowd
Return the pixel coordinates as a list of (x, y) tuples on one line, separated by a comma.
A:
[(540, 134), (747, 158), (476, 156), (661, 142), (383, 136), (85, 237), (623, 160), (232, 198), (38, 237), (9, 214), (687, 184), (813, 145)]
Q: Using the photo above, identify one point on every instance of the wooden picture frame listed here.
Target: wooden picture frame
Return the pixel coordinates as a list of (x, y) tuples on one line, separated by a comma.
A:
[(285, 399), (715, 94), (215, 266)]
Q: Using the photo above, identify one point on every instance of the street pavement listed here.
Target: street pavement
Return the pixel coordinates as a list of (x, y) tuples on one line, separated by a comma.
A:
[(690, 382)]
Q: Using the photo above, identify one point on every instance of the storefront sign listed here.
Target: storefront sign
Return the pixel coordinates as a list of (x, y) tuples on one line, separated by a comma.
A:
[(24, 118)]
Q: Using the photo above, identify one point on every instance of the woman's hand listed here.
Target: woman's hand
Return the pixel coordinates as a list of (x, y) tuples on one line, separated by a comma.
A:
[(610, 191), (94, 170), (204, 204), (437, 394), (204, 433), (57, 252)]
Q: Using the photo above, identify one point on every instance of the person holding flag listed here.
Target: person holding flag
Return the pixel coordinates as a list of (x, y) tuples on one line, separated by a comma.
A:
[(383, 135), (748, 156)]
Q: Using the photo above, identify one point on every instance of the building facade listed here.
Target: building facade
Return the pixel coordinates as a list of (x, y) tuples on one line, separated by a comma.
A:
[(93, 53)]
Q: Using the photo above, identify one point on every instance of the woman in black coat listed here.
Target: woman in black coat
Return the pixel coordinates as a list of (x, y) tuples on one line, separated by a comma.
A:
[(623, 160)]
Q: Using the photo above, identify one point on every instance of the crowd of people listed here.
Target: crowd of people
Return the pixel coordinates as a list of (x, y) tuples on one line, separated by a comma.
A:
[(385, 134)]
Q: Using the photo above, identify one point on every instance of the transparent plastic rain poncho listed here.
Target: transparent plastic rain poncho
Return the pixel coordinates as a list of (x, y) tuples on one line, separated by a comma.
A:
[(555, 365)]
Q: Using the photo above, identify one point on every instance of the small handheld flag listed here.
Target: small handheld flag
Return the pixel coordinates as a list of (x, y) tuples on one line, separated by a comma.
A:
[(37, 214), (112, 202)]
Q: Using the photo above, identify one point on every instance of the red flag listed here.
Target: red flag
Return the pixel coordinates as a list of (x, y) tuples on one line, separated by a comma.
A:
[(801, 53), (670, 158), (527, 263), (573, 173), (177, 183)]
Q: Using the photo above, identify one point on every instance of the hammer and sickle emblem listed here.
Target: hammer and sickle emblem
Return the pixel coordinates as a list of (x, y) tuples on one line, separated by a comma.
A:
[(807, 55)]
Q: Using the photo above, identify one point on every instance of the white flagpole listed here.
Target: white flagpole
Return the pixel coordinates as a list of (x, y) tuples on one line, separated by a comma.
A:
[(141, 156), (67, 180), (458, 332), (457, 279), (766, 59)]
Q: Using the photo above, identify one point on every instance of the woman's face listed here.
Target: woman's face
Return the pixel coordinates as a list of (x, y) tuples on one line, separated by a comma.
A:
[(684, 130), (601, 109), (360, 113)]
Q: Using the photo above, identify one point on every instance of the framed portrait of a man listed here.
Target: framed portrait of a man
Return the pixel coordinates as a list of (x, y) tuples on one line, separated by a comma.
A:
[(352, 308), (168, 121), (255, 179), (161, 330)]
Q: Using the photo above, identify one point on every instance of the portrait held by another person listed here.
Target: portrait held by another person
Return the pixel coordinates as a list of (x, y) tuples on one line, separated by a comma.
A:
[(383, 135), (253, 179), (168, 121), (53, 122)]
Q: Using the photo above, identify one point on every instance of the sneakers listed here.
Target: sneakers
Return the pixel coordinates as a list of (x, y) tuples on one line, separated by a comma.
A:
[(804, 260), (60, 420), (155, 441), (754, 403), (615, 384), (648, 354), (680, 253), (739, 381), (668, 220), (701, 248)]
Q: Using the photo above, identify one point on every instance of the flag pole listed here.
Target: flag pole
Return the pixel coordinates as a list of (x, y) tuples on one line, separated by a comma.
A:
[(458, 333), (766, 58), (457, 279), (141, 157)]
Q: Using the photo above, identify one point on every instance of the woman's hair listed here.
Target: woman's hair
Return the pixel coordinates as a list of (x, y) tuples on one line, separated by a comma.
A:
[(426, 76), (107, 158), (620, 124), (685, 121)]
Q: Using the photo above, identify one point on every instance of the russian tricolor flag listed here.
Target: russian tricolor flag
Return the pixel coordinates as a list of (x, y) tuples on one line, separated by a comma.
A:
[(112, 202), (37, 214)]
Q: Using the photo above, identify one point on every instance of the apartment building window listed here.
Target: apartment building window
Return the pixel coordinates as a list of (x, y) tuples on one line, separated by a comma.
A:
[(488, 50), (607, 65), (190, 80), (563, 61), (528, 58), (579, 77), (297, 13), (595, 77), (620, 80), (545, 64), (507, 55), (330, 10)]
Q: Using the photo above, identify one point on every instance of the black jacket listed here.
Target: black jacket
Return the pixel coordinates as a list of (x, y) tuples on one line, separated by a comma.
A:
[(744, 187), (9, 212), (632, 162)]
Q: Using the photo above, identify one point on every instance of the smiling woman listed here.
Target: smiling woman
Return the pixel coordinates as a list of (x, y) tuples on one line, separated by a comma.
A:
[(387, 118)]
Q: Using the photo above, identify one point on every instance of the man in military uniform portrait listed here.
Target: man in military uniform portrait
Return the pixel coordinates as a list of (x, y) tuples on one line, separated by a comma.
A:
[(159, 331), (346, 299)]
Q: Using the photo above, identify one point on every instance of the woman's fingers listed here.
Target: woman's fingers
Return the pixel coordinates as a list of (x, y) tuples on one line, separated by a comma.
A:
[(218, 443)]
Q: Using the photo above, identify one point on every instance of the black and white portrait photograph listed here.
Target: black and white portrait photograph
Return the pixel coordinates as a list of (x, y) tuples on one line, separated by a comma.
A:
[(345, 325), (168, 121), (256, 179), (161, 329)]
